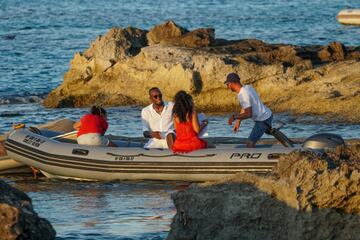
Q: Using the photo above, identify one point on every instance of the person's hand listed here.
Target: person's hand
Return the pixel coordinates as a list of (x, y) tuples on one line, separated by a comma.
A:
[(156, 135), (205, 122), (236, 126), (231, 119)]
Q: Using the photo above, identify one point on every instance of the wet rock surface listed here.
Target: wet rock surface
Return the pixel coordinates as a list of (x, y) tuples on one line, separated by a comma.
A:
[(306, 197), (120, 67), (18, 219)]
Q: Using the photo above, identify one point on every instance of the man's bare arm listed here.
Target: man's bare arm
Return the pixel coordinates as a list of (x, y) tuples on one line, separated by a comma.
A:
[(150, 134), (244, 114)]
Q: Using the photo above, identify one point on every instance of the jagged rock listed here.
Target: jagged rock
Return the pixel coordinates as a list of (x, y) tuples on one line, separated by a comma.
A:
[(353, 53), (287, 55), (203, 37), (307, 197), (288, 78), (335, 51), (164, 31), (18, 219), (117, 44)]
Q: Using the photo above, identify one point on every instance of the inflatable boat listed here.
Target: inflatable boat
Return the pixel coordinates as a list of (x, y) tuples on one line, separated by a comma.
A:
[(349, 16), (55, 129), (130, 161)]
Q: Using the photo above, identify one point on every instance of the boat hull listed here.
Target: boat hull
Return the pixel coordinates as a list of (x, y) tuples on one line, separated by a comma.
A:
[(7, 163), (50, 129), (65, 160), (349, 17)]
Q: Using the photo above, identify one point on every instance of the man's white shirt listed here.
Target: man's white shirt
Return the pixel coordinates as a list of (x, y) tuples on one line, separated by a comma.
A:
[(249, 98), (153, 121)]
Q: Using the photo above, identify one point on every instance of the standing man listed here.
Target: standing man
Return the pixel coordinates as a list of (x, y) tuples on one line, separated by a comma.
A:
[(157, 121), (252, 107)]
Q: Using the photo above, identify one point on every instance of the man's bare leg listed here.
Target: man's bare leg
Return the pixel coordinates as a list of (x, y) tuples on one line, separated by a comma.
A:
[(170, 138)]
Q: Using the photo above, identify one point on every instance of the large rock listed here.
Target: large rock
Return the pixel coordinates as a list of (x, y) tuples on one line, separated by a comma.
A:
[(117, 44), (307, 197), (165, 31), (335, 51), (198, 38), (302, 80), (18, 219), (170, 68)]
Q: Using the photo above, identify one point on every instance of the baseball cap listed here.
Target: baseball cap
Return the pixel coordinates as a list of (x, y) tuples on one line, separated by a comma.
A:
[(231, 78)]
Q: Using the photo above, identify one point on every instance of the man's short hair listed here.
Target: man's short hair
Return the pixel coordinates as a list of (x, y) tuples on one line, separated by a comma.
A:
[(152, 89)]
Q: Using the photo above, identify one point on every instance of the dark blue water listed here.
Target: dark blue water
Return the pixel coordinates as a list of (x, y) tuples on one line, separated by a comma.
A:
[(98, 210), (38, 39)]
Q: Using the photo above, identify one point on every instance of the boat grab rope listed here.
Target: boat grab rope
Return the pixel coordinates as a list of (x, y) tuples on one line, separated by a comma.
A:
[(159, 156)]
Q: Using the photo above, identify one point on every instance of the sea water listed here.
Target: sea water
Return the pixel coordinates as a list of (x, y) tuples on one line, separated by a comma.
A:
[(38, 38)]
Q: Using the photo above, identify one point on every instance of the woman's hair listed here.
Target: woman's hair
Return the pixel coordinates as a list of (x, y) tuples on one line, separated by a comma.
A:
[(183, 105), (97, 110)]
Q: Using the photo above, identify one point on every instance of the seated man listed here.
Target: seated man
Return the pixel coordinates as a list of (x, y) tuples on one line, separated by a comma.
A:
[(157, 121)]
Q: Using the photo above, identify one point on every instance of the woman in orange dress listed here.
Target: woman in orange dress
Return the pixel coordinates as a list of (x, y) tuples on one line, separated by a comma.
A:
[(186, 125)]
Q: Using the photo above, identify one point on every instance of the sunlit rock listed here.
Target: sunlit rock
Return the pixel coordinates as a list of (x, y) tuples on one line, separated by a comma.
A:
[(306, 197), (120, 67)]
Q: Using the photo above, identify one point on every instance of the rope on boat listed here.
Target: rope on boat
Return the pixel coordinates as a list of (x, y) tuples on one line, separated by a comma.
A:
[(159, 156)]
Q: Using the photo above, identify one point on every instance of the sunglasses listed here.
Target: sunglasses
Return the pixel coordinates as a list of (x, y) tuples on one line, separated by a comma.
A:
[(157, 96)]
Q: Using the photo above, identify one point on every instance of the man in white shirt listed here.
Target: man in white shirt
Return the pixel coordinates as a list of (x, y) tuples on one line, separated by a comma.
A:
[(157, 121), (252, 107)]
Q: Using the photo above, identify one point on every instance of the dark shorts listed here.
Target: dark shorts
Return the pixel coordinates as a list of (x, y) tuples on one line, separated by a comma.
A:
[(259, 129)]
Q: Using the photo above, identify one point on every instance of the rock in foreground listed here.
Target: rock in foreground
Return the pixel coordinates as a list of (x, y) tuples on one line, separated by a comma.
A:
[(18, 219), (307, 197), (120, 67)]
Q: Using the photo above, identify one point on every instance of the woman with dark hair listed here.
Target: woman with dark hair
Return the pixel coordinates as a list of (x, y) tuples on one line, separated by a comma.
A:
[(186, 124), (92, 127)]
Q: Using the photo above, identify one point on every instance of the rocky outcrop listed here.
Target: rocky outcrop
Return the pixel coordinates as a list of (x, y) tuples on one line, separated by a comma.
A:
[(18, 219), (117, 44), (307, 197), (120, 67), (198, 38), (336, 51), (165, 31)]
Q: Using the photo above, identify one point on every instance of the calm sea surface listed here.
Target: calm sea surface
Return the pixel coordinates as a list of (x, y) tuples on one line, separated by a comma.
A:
[(38, 39)]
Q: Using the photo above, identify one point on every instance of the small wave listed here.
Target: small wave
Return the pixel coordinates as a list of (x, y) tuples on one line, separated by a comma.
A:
[(26, 28), (8, 37), (22, 99), (11, 114)]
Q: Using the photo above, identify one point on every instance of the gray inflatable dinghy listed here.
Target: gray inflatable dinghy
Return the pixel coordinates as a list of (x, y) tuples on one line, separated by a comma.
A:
[(54, 129), (131, 161)]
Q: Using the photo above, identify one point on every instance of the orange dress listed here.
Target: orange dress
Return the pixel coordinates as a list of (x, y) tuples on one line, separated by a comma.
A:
[(187, 139)]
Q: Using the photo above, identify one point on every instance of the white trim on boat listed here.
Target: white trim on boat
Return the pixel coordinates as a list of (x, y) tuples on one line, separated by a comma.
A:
[(349, 16)]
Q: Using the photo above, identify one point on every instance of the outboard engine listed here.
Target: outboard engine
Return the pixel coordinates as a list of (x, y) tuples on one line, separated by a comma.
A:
[(323, 141)]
